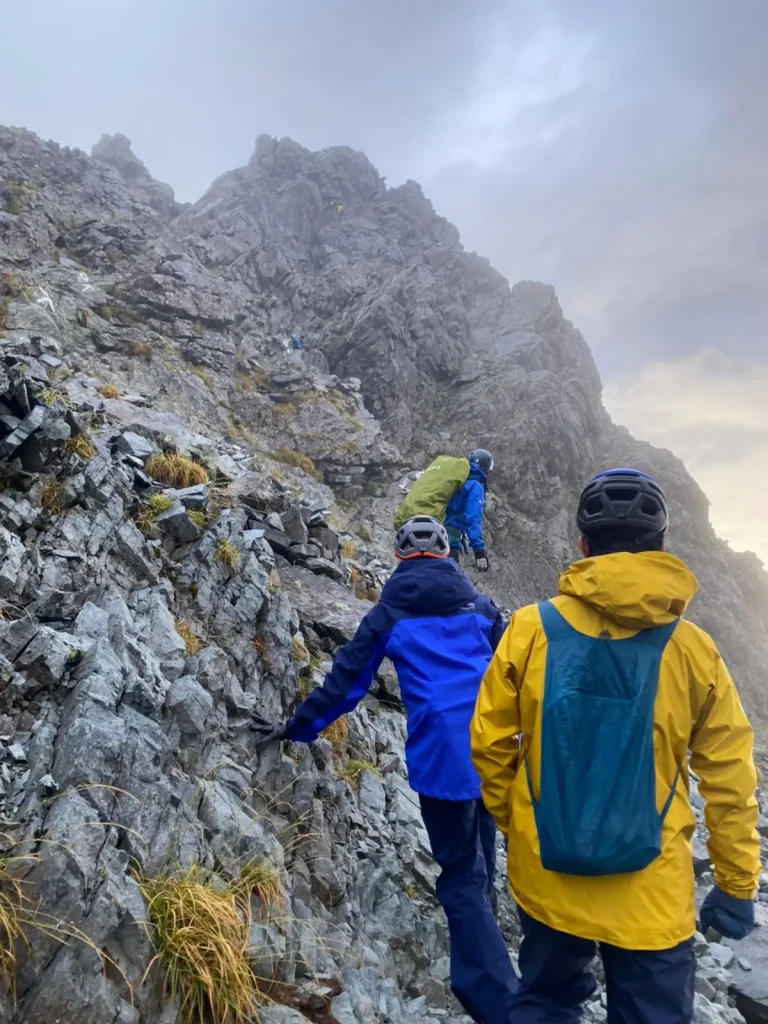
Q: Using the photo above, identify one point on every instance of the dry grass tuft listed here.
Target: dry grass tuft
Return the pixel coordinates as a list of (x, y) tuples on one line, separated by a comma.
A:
[(80, 445), (140, 349), (198, 517), (299, 652), (109, 391), (11, 284), (203, 374), (337, 734), (19, 915), (50, 497), (50, 396), (176, 471), (348, 549), (304, 686), (249, 382), (353, 770), (200, 928), (289, 457), (260, 878), (151, 508), (13, 906), (274, 583), (228, 553), (192, 642)]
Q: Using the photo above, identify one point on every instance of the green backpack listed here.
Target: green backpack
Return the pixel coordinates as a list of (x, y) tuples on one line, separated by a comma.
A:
[(430, 494)]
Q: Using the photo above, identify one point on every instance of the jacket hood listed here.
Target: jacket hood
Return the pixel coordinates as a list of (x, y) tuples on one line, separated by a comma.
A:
[(428, 585), (651, 588)]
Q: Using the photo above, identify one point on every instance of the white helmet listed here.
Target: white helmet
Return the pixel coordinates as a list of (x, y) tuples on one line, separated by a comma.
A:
[(422, 535)]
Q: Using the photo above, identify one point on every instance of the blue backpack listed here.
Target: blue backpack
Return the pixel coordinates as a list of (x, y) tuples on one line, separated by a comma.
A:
[(596, 811)]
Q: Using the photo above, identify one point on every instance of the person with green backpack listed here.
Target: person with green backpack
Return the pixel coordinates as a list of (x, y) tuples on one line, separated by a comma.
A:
[(583, 728), (452, 490)]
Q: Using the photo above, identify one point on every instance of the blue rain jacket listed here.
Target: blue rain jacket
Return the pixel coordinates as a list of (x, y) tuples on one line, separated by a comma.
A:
[(440, 635), (464, 514)]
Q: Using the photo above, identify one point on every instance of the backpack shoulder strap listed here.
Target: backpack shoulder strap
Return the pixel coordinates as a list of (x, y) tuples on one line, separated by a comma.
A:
[(659, 636), (555, 625)]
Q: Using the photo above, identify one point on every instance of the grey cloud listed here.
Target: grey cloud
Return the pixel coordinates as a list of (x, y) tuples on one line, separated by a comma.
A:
[(647, 207), (193, 84)]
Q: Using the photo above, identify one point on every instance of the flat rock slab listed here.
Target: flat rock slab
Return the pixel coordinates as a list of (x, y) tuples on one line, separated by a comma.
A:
[(750, 983), (195, 497), (329, 606), (135, 444), (159, 422)]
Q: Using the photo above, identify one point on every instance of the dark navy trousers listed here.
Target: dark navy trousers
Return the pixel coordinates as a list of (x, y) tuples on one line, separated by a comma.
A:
[(462, 835), (643, 986)]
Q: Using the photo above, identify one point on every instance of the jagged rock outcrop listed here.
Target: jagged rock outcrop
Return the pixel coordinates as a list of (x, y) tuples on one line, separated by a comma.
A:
[(451, 358), (145, 618), (116, 150)]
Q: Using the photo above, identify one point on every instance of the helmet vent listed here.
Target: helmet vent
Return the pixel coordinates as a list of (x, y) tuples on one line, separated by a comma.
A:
[(621, 493)]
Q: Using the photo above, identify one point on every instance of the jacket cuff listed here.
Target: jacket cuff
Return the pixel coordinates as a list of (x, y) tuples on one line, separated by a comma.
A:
[(733, 891)]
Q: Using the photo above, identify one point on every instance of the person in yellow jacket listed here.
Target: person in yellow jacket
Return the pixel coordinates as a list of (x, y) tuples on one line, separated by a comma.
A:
[(581, 736)]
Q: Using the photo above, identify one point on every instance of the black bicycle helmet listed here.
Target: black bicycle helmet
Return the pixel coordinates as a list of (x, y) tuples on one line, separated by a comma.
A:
[(422, 535), (622, 499), (482, 458)]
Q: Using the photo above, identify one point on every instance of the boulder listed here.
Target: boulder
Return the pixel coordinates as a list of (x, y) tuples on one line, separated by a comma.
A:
[(137, 445), (293, 523), (195, 498), (190, 705), (21, 433), (176, 524)]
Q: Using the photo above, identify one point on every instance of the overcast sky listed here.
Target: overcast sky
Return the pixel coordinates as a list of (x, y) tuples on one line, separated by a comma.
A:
[(616, 148)]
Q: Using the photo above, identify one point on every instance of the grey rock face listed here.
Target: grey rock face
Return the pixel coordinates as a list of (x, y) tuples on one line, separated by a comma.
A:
[(137, 445), (175, 523)]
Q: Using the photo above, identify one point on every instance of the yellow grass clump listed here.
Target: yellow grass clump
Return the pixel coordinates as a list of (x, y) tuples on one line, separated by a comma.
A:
[(200, 928), (192, 642), (354, 769), (50, 497), (175, 470), (80, 445), (260, 878), (140, 349), (289, 457), (109, 391), (50, 396), (12, 914), (337, 733), (228, 554), (153, 507)]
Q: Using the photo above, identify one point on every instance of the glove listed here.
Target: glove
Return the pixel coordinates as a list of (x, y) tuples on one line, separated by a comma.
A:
[(733, 918), (266, 732), (481, 561)]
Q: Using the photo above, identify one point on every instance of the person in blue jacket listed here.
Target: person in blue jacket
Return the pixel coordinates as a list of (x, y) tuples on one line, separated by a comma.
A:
[(440, 634), (464, 515)]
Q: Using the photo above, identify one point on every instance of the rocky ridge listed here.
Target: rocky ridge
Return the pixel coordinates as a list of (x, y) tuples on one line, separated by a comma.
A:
[(143, 621)]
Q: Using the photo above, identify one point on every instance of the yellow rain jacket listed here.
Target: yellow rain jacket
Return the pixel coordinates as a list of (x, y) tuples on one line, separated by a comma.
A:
[(697, 708)]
